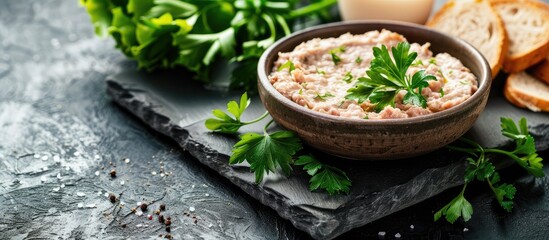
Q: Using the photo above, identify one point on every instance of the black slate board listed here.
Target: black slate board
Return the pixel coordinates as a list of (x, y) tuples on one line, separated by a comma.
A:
[(168, 103)]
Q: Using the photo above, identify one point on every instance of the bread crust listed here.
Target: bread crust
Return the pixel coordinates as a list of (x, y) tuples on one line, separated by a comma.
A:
[(503, 45), (541, 70), (521, 99), (521, 61)]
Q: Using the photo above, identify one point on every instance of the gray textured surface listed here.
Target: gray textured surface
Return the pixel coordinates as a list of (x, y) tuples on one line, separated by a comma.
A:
[(53, 103)]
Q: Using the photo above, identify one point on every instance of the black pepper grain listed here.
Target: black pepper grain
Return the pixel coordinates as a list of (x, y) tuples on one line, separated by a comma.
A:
[(112, 197), (161, 218), (143, 207), (113, 173), (162, 207), (168, 229)]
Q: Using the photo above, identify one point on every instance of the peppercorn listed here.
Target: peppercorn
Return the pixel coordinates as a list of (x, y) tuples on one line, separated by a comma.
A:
[(112, 197), (113, 173), (161, 218), (162, 207), (168, 236), (143, 207), (168, 222), (168, 229)]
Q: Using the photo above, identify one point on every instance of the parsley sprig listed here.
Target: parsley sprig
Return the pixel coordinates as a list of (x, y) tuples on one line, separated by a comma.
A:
[(479, 167), (271, 152), (226, 124), (387, 77)]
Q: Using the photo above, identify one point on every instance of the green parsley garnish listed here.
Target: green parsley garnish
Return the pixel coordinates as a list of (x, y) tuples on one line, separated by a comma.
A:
[(289, 65), (226, 124), (386, 78), (334, 52), (270, 152), (417, 63), (319, 71), (433, 61), (300, 91), (480, 168), (441, 91), (324, 96), (333, 180), (348, 77), (358, 59), (266, 152)]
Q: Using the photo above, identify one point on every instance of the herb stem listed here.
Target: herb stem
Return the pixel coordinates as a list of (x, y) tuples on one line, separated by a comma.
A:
[(311, 8), (267, 126), (258, 119)]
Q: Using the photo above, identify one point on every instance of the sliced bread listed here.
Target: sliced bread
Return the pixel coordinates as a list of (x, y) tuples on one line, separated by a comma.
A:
[(541, 70), (524, 90), (477, 23), (527, 26)]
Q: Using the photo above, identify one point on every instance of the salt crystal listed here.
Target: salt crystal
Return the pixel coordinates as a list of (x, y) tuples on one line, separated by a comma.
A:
[(62, 185), (56, 158), (67, 168), (139, 213), (37, 156), (126, 160), (211, 225), (192, 186), (381, 234), (76, 154), (80, 194), (153, 173), (139, 225), (96, 173), (122, 203), (191, 209), (43, 178), (45, 157), (56, 189), (207, 195), (204, 185), (59, 176), (122, 182), (45, 169), (106, 194), (92, 205), (466, 229), (397, 235), (412, 227), (162, 175), (97, 156), (80, 205), (99, 193), (138, 204)]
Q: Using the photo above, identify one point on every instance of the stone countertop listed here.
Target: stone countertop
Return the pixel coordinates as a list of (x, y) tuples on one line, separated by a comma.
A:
[(61, 135)]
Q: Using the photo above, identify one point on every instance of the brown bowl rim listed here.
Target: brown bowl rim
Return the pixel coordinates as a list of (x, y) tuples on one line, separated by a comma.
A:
[(483, 87)]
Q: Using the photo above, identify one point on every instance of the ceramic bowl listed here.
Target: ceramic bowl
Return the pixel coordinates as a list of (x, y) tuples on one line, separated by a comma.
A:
[(376, 139)]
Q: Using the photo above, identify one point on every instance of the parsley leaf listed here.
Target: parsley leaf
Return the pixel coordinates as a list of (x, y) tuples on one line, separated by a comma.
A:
[(483, 170), (358, 59), (348, 77), (387, 77), (324, 96), (326, 177), (458, 207), (335, 58), (267, 152), (224, 123), (288, 64)]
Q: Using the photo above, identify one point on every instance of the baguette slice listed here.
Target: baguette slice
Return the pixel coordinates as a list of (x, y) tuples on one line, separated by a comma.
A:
[(477, 23), (527, 26), (541, 70), (526, 91)]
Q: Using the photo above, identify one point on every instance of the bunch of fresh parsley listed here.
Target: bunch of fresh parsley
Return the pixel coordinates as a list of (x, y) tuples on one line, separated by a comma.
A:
[(195, 33), (480, 168), (270, 152), (387, 77)]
